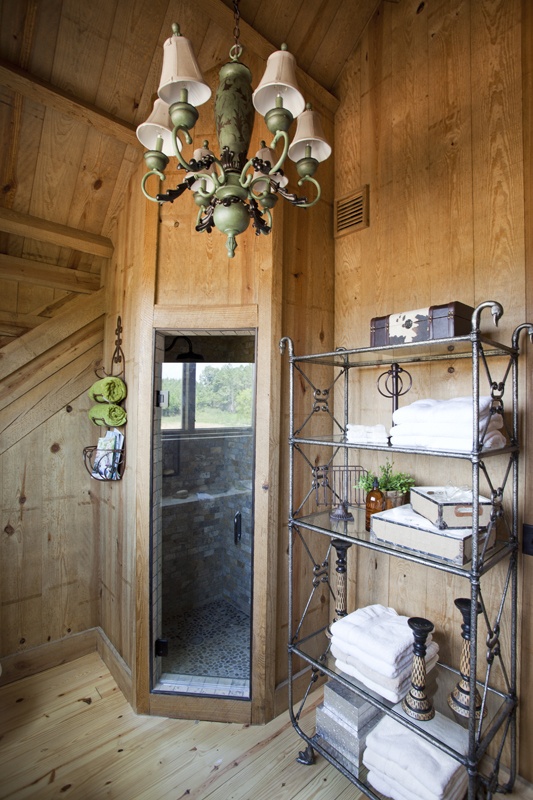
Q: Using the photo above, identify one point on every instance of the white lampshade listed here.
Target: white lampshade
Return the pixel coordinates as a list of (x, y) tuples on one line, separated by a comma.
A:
[(279, 80), (266, 154), (157, 124), (309, 132), (181, 71), (210, 186)]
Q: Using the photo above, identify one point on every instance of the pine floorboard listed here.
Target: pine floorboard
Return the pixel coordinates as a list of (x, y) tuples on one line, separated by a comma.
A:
[(69, 733)]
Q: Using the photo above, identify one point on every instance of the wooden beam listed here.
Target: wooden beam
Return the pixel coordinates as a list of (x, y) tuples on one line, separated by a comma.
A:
[(54, 233), (18, 80), (222, 15), (220, 317), (13, 324), (24, 270), (78, 313)]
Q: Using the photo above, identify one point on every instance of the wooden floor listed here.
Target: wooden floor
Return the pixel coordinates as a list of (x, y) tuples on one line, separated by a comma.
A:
[(69, 733)]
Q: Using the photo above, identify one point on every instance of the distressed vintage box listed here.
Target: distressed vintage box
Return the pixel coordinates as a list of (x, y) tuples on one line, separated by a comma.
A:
[(404, 528), (449, 507), (347, 741), (352, 708), (421, 324)]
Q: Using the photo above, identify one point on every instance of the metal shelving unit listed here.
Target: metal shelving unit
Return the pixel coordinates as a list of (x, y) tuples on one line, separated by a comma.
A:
[(336, 533)]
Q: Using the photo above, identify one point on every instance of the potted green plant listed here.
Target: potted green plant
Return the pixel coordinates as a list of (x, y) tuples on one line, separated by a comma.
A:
[(394, 485)]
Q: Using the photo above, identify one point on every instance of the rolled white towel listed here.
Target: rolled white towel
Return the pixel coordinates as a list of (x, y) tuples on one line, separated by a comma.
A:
[(378, 631), (416, 764), (346, 653), (454, 410), (366, 434), (492, 441)]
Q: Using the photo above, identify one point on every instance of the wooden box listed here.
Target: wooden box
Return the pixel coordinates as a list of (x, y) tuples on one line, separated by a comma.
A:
[(421, 324)]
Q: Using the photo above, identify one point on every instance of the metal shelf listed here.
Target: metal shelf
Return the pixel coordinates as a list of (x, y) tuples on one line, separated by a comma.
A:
[(310, 646)]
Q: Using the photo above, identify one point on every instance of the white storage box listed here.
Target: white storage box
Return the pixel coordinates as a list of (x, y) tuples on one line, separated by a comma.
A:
[(449, 507)]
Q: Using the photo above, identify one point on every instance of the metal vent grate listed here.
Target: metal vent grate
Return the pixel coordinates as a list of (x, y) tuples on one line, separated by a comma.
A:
[(351, 212)]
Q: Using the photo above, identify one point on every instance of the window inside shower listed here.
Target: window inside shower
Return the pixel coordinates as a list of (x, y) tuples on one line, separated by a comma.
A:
[(202, 521)]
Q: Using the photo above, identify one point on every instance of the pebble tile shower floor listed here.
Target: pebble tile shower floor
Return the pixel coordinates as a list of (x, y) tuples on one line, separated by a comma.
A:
[(209, 651)]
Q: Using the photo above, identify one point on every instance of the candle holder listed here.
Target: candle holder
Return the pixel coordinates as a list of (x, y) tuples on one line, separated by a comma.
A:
[(459, 698), (341, 595), (416, 703)]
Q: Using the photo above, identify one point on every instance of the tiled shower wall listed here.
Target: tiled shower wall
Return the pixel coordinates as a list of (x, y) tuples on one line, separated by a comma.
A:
[(201, 560)]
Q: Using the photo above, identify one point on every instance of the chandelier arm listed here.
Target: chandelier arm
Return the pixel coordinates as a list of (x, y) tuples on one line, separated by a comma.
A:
[(244, 179), (145, 178), (264, 194), (175, 140), (302, 202), (285, 136)]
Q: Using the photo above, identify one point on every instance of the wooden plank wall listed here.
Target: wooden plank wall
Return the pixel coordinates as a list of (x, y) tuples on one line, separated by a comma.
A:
[(431, 119), (49, 592)]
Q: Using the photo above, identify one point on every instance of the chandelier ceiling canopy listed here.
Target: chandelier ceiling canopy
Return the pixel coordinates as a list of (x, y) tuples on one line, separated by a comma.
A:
[(234, 188)]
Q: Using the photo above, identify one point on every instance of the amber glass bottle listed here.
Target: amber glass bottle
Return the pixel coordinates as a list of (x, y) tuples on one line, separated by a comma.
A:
[(374, 503)]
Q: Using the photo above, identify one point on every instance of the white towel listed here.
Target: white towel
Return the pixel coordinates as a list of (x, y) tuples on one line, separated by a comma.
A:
[(372, 663), (394, 691), (417, 765), (493, 440), (341, 651), (366, 434), (448, 429), (393, 789), (377, 631), (428, 410)]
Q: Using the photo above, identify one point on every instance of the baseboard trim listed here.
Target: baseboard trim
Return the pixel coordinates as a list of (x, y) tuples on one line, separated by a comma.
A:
[(45, 656), (115, 664), (52, 654)]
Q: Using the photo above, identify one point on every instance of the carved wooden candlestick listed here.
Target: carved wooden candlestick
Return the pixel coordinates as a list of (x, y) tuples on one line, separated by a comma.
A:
[(342, 590), (415, 703), (459, 698)]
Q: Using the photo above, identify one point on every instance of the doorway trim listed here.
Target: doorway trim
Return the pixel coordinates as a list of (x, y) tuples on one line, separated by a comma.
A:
[(267, 413)]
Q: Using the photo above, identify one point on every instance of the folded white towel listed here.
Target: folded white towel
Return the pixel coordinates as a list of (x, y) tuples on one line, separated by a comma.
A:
[(345, 653), (366, 434), (396, 791), (394, 691), (363, 661), (493, 440), (448, 429), (428, 410), (417, 765), (378, 631)]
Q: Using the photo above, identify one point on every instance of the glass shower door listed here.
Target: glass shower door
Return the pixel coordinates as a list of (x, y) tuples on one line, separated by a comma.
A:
[(205, 550)]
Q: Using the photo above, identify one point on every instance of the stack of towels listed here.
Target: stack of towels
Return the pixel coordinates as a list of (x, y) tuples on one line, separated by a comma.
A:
[(404, 766), (366, 434), (446, 425), (375, 646)]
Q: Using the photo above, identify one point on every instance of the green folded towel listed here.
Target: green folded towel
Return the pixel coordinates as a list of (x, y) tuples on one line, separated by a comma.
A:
[(108, 390), (108, 414)]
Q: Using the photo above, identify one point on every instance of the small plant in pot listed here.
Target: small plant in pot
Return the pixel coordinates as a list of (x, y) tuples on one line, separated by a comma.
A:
[(394, 485)]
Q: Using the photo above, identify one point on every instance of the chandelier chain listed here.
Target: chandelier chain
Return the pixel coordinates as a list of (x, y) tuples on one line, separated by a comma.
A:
[(237, 17)]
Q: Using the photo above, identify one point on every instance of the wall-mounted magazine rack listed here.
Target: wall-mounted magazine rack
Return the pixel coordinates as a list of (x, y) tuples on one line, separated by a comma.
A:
[(105, 465)]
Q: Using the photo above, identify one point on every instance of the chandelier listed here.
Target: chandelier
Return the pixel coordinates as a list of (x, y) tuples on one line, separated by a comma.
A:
[(233, 189)]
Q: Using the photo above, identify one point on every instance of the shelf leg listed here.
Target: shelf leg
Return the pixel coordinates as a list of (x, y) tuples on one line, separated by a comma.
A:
[(307, 756)]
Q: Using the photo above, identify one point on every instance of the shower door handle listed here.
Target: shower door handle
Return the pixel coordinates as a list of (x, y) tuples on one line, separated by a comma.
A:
[(237, 527)]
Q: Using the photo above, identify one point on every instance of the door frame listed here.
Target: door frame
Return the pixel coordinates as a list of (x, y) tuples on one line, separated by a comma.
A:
[(261, 707)]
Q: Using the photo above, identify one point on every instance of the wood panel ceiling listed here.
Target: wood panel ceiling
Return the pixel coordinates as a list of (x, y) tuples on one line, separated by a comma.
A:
[(76, 78)]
